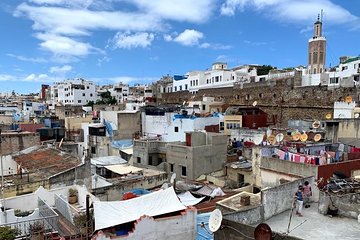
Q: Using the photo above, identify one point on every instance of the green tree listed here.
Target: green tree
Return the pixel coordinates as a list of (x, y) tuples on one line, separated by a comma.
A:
[(264, 69), (106, 98)]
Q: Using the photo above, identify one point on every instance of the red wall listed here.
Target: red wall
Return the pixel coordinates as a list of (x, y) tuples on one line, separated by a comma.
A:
[(326, 171), (30, 127), (254, 121), (352, 156), (212, 128)]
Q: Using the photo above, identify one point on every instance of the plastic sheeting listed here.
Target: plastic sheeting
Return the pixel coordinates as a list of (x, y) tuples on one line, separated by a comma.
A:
[(188, 199), (108, 214)]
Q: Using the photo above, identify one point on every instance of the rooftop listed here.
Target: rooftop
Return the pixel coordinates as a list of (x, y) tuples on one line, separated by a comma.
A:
[(315, 225), (45, 162)]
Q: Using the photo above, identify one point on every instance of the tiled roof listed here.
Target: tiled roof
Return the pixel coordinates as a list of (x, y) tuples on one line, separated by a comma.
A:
[(46, 162)]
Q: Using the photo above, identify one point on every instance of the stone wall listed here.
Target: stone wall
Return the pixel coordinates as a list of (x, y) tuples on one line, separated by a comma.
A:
[(348, 204), (278, 97), (14, 142)]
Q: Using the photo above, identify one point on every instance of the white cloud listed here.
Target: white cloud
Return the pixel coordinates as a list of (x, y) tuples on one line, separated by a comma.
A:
[(127, 40), (299, 11), (70, 3), (7, 77), (189, 37), (215, 46), (27, 59), (168, 38), (102, 60), (65, 46), (179, 10), (41, 78), (255, 43), (60, 70), (126, 79)]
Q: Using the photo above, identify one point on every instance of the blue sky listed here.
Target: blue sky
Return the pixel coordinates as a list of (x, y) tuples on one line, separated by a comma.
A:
[(138, 41)]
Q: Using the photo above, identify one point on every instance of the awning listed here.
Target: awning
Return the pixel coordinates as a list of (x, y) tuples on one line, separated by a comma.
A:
[(108, 214), (188, 199), (128, 151), (123, 169)]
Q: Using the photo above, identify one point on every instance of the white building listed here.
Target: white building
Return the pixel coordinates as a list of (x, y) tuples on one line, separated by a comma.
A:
[(119, 91), (33, 108), (74, 92), (171, 126)]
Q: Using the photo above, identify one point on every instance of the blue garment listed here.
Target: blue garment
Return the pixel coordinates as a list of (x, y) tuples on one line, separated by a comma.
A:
[(299, 196), (287, 156)]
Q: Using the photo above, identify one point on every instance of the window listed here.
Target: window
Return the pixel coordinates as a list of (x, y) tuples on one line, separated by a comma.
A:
[(186, 86), (93, 150), (79, 101), (247, 97), (180, 88), (138, 159), (176, 129), (83, 94), (261, 95), (216, 79), (221, 126), (197, 82), (241, 178), (183, 171), (171, 167), (87, 87), (150, 160), (91, 94), (175, 89), (203, 107), (334, 80)]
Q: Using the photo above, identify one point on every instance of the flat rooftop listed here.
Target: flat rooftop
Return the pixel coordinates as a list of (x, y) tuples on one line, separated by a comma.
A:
[(314, 225)]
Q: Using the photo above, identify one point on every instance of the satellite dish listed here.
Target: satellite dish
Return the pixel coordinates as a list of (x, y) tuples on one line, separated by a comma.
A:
[(317, 137), (356, 115), (348, 99), (271, 139), (215, 220), (296, 136), (268, 132), (316, 124), (263, 232), (254, 103), (172, 179), (279, 137), (328, 116), (303, 137), (258, 138)]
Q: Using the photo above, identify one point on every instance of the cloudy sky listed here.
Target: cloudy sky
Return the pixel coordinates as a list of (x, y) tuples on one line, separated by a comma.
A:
[(138, 41)]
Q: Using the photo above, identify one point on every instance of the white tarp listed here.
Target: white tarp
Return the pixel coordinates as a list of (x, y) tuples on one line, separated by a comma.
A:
[(122, 169), (188, 199), (108, 214)]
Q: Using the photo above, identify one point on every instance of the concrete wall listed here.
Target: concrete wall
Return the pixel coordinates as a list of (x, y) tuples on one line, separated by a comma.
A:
[(232, 229), (114, 192), (274, 169), (128, 124), (9, 165), (200, 159), (249, 216), (15, 142), (74, 123), (280, 198), (348, 204), (177, 227), (233, 176)]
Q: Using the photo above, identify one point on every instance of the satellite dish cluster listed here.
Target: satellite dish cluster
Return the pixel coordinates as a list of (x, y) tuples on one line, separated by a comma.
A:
[(295, 136)]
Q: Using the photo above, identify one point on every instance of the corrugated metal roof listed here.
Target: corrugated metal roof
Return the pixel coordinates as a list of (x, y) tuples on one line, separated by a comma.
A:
[(201, 233)]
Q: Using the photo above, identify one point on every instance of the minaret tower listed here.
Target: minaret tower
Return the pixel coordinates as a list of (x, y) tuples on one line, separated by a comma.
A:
[(317, 49)]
